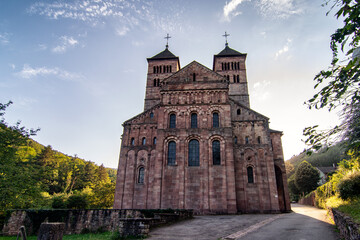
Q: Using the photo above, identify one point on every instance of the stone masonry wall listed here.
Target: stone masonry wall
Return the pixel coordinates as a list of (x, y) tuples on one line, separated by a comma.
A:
[(126, 221), (349, 230)]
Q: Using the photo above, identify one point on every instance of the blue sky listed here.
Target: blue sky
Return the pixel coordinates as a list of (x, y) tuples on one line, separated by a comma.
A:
[(77, 69)]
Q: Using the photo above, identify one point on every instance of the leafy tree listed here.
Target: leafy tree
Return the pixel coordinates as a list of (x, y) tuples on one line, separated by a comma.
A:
[(77, 201), (293, 190), (289, 168), (306, 178), (17, 187), (340, 82)]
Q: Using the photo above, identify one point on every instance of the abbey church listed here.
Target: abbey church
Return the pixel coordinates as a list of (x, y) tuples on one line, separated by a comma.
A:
[(198, 144)]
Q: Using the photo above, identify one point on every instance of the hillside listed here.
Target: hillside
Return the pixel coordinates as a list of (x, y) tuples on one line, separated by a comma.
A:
[(323, 158), (36, 176)]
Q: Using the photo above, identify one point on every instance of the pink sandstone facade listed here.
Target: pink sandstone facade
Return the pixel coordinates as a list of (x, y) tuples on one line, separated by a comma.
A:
[(198, 144)]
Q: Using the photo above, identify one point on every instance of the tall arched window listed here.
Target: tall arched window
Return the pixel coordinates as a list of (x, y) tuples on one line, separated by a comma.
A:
[(259, 140), (238, 112), (246, 140), (194, 77), (193, 120), (132, 142), (235, 140), (143, 141), (215, 120), (172, 122), (216, 152), (194, 153), (250, 174), (171, 153), (154, 141), (141, 175)]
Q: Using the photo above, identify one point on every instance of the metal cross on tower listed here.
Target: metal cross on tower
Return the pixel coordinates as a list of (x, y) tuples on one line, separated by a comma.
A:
[(167, 40), (226, 42)]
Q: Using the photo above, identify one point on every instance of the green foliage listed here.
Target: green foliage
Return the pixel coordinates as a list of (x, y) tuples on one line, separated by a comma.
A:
[(349, 187), (339, 84), (59, 202), (306, 178), (34, 176), (77, 201), (293, 189)]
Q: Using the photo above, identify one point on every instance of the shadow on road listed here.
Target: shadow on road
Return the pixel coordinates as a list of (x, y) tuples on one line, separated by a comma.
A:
[(303, 223)]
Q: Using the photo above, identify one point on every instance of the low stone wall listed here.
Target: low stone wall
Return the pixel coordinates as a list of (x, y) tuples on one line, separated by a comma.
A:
[(349, 230), (309, 200), (126, 221)]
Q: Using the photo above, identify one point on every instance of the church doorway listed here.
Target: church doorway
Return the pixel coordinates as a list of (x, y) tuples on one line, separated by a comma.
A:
[(280, 189)]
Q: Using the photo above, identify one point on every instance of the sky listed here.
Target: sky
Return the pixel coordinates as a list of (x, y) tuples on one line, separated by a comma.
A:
[(77, 68)]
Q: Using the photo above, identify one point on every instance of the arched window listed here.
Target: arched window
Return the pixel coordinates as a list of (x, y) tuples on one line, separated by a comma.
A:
[(154, 68), (238, 65), (232, 65), (259, 140), (238, 112), (250, 174), (215, 120), (154, 141), (132, 142), (235, 140), (143, 141), (222, 66), (216, 152), (172, 122), (193, 120), (246, 140), (234, 78), (151, 115), (141, 175), (171, 153), (155, 82), (194, 77), (194, 153), (237, 79), (158, 82)]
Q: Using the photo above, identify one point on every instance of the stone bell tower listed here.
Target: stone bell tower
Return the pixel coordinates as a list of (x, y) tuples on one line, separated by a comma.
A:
[(160, 66), (231, 64)]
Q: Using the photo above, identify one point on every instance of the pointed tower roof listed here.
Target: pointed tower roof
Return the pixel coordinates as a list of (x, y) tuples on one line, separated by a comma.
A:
[(166, 54), (227, 51)]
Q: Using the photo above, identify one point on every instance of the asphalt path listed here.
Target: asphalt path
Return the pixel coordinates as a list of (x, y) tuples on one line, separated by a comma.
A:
[(304, 223)]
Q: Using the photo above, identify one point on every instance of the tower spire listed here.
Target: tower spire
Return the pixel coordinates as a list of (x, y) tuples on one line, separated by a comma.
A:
[(167, 40), (226, 42)]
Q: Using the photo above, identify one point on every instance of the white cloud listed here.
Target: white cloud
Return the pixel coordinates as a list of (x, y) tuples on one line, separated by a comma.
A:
[(129, 13), (66, 42), (260, 90), (122, 31), (278, 8), (29, 72), (12, 66), (42, 46), (284, 49), (229, 8), (4, 38), (267, 8)]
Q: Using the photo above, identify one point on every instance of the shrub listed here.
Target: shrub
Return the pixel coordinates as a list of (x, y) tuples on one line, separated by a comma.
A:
[(349, 187), (58, 202), (77, 201)]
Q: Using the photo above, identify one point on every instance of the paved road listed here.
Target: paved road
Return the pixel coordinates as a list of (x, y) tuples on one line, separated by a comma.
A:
[(305, 223)]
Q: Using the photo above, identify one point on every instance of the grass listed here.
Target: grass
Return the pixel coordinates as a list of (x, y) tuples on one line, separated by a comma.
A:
[(350, 208), (90, 236), (87, 236)]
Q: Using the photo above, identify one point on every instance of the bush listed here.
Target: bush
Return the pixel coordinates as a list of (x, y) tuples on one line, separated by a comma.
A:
[(58, 202), (349, 187), (77, 201)]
